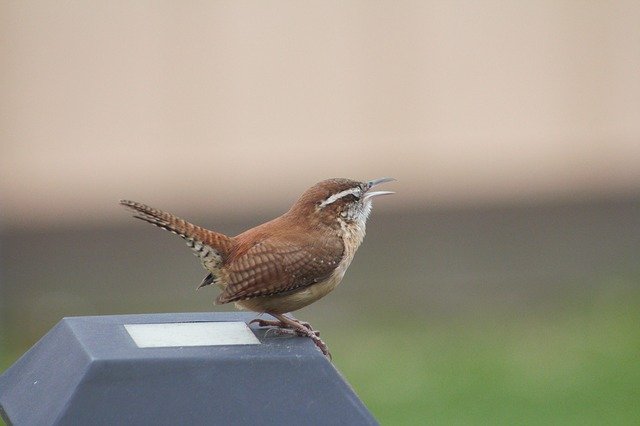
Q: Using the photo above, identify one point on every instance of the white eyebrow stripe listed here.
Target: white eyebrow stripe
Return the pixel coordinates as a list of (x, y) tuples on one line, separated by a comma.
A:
[(336, 197)]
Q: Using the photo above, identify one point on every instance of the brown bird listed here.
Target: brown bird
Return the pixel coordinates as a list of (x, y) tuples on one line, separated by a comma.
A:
[(287, 263)]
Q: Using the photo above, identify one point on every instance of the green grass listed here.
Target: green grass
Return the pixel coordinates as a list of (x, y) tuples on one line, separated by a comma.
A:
[(565, 366), (579, 368)]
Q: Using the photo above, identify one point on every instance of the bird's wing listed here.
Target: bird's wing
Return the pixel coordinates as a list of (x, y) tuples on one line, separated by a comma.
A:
[(280, 265), (209, 246)]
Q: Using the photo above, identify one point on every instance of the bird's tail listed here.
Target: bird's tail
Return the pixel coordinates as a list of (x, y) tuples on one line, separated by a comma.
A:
[(211, 247)]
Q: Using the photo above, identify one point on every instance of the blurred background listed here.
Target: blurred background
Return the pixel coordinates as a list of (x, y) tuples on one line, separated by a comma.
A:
[(501, 283)]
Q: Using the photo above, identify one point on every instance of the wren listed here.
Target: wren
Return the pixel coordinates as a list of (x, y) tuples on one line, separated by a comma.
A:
[(287, 263)]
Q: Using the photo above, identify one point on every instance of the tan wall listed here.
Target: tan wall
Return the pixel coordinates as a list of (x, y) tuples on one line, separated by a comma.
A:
[(196, 106)]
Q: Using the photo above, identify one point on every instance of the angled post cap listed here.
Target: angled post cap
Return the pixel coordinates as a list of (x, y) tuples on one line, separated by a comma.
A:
[(186, 368)]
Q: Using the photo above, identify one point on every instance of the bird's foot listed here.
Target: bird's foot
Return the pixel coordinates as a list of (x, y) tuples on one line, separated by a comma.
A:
[(284, 328), (315, 336), (268, 323), (289, 326), (306, 324)]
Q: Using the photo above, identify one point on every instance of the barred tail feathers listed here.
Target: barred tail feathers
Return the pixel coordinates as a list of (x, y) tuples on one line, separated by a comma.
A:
[(211, 247)]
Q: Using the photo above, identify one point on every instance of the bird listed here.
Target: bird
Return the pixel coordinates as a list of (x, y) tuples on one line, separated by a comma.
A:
[(287, 263)]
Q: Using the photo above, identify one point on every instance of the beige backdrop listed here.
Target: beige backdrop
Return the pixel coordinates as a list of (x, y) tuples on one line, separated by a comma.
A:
[(208, 107)]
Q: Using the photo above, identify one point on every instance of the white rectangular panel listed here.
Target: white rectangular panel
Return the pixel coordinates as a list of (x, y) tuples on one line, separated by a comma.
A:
[(191, 334)]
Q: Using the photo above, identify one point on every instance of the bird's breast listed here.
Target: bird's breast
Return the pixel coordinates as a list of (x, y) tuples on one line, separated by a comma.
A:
[(352, 237)]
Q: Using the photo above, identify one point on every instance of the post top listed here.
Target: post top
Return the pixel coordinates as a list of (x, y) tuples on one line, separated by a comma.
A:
[(90, 370)]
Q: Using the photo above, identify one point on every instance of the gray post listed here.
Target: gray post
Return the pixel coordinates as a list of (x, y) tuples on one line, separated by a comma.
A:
[(187, 368)]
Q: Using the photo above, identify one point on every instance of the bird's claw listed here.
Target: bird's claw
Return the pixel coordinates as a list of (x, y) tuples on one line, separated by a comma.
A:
[(285, 329), (285, 326)]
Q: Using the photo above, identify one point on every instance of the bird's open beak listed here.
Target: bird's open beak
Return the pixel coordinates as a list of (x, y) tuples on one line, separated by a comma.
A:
[(374, 182)]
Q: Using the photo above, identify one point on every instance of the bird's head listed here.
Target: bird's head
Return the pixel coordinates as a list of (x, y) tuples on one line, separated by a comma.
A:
[(333, 201)]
